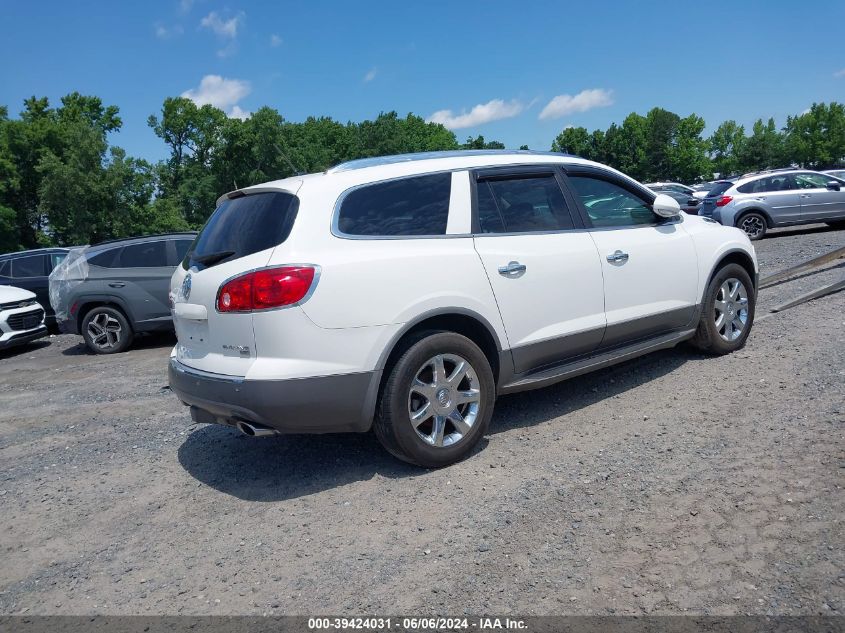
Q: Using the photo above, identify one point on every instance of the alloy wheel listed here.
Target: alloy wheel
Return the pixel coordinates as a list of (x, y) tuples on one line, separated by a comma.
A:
[(104, 330), (731, 312), (753, 225), (444, 400)]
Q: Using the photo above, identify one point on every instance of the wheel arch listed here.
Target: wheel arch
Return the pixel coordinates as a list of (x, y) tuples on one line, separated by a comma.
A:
[(461, 321), (760, 211), (87, 303), (734, 256)]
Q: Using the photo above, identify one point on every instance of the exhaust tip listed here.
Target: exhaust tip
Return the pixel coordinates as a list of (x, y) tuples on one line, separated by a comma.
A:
[(246, 429), (255, 430)]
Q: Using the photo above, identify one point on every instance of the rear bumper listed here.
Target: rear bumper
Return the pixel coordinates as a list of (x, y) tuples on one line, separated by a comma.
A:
[(19, 338), (325, 404)]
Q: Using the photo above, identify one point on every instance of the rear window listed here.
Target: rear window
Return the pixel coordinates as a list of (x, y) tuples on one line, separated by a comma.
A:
[(719, 188), (404, 207), (243, 226)]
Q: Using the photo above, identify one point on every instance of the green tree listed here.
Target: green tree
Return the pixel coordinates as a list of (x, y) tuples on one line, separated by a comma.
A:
[(479, 143), (764, 149), (816, 139), (574, 140), (688, 159), (726, 145)]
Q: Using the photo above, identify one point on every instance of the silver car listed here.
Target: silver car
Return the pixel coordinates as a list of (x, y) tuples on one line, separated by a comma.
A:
[(756, 203)]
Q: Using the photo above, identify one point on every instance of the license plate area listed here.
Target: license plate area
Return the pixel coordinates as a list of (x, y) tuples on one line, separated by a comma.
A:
[(31, 322)]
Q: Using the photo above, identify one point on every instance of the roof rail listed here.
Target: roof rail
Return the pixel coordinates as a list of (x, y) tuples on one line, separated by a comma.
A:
[(769, 171), (362, 163)]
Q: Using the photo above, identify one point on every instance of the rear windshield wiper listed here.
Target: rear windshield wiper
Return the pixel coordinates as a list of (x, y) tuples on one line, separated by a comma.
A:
[(212, 258)]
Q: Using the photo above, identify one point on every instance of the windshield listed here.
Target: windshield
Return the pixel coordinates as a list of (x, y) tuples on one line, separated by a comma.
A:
[(242, 226)]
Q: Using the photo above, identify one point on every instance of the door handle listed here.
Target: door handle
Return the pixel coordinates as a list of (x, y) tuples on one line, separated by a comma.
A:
[(806, 195), (512, 269), (116, 284), (617, 256)]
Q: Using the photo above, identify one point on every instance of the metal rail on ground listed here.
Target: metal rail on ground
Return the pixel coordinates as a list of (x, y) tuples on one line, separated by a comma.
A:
[(789, 273)]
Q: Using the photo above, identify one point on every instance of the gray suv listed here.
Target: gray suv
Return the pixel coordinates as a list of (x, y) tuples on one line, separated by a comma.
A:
[(111, 291), (758, 202)]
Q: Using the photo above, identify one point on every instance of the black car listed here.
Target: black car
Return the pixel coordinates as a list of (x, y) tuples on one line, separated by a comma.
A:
[(30, 270), (687, 203)]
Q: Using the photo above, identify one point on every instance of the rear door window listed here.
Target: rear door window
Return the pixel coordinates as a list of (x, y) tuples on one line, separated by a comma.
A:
[(106, 259), (243, 226), (522, 205), (4, 268), (32, 266), (144, 255), (396, 208)]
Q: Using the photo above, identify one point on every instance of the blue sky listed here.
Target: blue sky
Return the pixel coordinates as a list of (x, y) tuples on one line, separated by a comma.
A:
[(514, 71)]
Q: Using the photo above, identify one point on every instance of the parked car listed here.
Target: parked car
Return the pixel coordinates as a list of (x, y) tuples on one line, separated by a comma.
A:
[(406, 293), (21, 317), (111, 291), (776, 198), (31, 270), (836, 173), (687, 203)]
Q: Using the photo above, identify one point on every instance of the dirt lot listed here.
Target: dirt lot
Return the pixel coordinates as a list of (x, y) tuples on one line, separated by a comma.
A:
[(674, 483)]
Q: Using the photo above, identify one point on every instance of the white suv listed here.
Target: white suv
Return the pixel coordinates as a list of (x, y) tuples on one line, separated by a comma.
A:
[(406, 293)]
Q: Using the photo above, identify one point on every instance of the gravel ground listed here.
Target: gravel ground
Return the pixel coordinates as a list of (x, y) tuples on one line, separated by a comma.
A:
[(670, 484)]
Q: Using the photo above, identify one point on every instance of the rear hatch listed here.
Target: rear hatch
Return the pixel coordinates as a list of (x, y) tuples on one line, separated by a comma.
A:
[(239, 237), (708, 205)]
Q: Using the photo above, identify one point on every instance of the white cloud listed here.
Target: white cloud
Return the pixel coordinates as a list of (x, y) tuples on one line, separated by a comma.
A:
[(185, 5), (370, 75), (237, 113), (164, 32), (221, 93), (839, 73), (482, 113), (227, 29), (275, 40), (585, 100), (227, 51)]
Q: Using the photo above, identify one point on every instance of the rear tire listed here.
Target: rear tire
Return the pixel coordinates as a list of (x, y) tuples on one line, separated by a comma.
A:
[(754, 225), (437, 400), (106, 330), (727, 313)]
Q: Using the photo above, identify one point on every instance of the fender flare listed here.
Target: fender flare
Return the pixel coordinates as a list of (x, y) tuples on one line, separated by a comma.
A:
[(101, 299), (428, 314)]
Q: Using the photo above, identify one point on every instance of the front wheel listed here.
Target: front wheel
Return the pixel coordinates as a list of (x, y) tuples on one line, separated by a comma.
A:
[(754, 225), (437, 401), (106, 330), (728, 311)]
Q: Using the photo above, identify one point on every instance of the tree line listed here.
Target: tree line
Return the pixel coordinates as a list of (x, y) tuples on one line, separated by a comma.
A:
[(664, 146), (62, 182)]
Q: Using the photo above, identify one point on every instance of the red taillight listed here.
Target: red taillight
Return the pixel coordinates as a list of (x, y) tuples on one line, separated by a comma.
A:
[(723, 201), (264, 289)]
